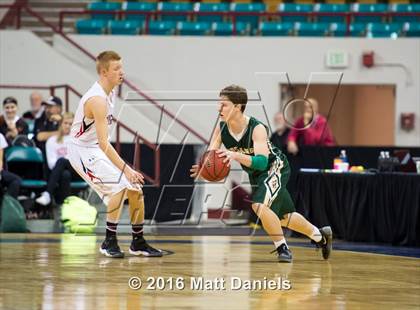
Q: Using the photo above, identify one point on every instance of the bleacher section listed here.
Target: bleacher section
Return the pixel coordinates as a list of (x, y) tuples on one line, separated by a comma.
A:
[(255, 19)]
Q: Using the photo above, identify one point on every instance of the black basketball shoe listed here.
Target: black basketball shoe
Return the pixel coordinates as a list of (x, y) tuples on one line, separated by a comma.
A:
[(139, 246), (110, 248), (326, 242), (284, 255)]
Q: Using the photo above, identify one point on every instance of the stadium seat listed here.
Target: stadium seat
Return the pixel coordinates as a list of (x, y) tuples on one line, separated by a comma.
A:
[(312, 29), (412, 29), (91, 26), (104, 6), (179, 7), (381, 30), (28, 163), (295, 8), (226, 28), (162, 27), (128, 27), (211, 7), (138, 6), (194, 28), (275, 29), (405, 8), (369, 8), (331, 8), (243, 8), (340, 30)]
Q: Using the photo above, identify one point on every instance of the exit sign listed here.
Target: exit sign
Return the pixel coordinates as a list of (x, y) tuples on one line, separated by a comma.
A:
[(337, 59)]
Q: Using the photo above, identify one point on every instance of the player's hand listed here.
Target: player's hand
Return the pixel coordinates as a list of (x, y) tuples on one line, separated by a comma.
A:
[(195, 169), (133, 176), (292, 147), (229, 156)]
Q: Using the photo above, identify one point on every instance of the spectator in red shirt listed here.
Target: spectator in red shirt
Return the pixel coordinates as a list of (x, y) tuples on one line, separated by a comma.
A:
[(310, 129)]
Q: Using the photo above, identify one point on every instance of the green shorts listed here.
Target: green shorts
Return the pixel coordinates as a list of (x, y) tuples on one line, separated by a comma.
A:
[(269, 187)]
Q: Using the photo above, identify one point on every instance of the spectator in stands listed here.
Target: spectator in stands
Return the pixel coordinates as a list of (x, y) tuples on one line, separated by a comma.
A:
[(61, 170), (279, 137), (11, 125), (37, 107), (7, 179), (310, 129), (47, 125)]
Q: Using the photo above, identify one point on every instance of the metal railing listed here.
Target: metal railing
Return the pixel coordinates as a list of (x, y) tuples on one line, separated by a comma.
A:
[(19, 7), (119, 125)]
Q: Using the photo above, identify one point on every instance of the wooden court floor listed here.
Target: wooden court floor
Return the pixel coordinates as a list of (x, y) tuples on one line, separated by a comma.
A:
[(53, 271)]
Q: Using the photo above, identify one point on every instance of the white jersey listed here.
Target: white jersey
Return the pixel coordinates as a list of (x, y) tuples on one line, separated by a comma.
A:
[(83, 130)]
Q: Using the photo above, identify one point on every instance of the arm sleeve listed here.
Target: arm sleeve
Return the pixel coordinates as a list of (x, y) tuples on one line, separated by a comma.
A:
[(259, 162)]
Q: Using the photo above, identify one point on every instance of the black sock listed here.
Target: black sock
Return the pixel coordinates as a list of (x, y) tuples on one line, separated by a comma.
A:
[(111, 229), (137, 230)]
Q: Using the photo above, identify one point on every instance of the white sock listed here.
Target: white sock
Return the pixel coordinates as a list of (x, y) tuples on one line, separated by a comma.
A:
[(279, 243), (316, 235)]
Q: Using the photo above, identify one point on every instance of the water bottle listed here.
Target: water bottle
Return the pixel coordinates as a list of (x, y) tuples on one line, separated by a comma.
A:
[(344, 166)]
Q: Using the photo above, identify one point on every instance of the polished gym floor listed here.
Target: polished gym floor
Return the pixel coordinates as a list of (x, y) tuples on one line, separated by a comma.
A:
[(64, 271)]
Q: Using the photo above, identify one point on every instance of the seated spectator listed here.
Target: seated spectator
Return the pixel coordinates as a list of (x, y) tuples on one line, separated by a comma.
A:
[(47, 125), (37, 107), (7, 179), (310, 129), (279, 137), (61, 171), (11, 125)]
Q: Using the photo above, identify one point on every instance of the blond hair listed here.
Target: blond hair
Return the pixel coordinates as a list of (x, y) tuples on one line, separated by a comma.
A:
[(65, 115), (104, 58)]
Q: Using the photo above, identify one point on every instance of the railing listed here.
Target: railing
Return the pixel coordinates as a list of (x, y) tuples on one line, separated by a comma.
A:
[(232, 15), (137, 138), (19, 7)]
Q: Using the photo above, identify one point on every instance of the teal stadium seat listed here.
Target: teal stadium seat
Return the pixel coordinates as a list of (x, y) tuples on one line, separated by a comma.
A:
[(381, 30), (179, 7), (295, 8), (104, 6), (162, 27), (91, 26), (28, 163), (405, 8), (312, 29), (369, 8), (275, 29), (331, 8), (194, 28), (226, 28), (125, 27), (211, 7), (138, 6), (412, 29), (340, 30), (244, 8)]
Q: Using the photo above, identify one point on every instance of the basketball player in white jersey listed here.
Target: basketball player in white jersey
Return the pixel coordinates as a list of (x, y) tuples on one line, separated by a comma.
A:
[(94, 158)]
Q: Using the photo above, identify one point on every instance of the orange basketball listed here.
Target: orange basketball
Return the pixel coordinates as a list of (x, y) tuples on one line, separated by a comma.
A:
[(212, 167)]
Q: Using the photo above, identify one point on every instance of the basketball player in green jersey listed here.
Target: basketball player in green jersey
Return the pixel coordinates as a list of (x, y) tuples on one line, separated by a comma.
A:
[(246, 140)]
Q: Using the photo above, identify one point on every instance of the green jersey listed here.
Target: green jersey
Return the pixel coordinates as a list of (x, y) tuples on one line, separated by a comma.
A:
[(245, 145), (268, 186)]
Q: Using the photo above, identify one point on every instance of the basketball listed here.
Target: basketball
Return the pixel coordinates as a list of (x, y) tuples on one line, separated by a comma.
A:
[(212, 167)]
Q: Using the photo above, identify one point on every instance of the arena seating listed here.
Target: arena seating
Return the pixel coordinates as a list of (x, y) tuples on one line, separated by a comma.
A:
[(188, 18)]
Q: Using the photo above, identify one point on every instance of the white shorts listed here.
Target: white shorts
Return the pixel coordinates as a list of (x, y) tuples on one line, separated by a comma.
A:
[(98, 171)]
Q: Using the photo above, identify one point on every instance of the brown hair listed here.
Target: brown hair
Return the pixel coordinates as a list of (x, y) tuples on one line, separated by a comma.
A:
[(103, 59), (236, 94), (60, 136)]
